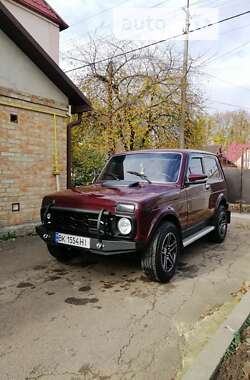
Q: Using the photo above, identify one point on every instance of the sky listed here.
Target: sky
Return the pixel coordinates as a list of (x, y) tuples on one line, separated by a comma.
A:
[(225, 55)]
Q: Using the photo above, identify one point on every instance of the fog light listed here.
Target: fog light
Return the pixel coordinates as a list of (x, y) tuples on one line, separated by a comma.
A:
[(124, 226)]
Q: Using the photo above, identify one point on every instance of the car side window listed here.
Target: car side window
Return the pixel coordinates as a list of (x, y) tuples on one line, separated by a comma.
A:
[(195, 166), (211, 168)]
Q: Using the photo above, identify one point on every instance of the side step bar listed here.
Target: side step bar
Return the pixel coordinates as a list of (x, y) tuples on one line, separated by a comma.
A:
[(190, 239)]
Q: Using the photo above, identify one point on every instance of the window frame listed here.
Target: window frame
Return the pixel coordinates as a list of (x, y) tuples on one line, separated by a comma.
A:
[(193, 156), (215, 158)]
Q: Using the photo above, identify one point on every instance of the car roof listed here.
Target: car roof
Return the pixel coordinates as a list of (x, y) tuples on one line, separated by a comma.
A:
[(182, 151)]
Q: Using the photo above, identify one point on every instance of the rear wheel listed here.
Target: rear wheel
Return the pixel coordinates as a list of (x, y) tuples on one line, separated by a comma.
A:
[(218, 235), (62, 254), (160, 260)]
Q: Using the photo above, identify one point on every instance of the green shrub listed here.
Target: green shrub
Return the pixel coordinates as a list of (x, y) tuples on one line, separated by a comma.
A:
[(86, 166)]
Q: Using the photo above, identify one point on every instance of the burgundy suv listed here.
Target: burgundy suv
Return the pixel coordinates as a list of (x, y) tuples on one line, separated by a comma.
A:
[(152, 202)]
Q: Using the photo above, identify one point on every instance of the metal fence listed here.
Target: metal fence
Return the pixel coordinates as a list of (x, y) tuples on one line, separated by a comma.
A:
[(238, 181)]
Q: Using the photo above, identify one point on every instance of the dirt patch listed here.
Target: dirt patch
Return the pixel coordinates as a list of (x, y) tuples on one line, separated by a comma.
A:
[(39, 267), (145, 279), (54, 278), (80, 301), (23, 285), (237, 365), (50, 293), (60, 271), (108, 285), (84, 289), (187, 271)]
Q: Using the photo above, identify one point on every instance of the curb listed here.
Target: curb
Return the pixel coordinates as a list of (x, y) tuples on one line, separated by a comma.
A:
[(207, 362)]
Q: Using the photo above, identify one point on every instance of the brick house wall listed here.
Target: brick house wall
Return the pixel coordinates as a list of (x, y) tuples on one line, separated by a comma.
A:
[(35, 96), (27, 154)]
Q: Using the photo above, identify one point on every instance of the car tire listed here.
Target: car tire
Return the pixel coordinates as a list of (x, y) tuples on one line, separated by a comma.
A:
[(62, 254), (159, 261), (218, 235)]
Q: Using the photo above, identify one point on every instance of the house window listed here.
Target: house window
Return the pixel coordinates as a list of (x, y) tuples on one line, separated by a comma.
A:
[(13, 118), (15, 207)]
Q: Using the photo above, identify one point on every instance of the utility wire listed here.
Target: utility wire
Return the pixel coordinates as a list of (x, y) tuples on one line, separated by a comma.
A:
[(110, 9), (159, 4), (210, 3), (233, 30), (229, 52), (226, 81), (161, 41), (98, 13), (228, 104)]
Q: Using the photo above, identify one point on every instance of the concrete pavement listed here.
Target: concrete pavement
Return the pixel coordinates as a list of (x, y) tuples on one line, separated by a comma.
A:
[(100, 318)]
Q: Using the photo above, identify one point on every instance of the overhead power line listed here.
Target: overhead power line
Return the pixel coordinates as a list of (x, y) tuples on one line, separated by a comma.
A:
[(228, 104), (97, 14), (111, 8), (234, 29), (210, 3), (161, 41), (229, 52), (86, 19), (227, 81)]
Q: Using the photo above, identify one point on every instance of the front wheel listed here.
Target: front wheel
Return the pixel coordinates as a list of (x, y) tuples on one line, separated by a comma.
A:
[(62, 254), (160, 260), (218, 235)]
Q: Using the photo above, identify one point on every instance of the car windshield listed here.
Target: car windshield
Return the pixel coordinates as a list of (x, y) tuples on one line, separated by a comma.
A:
[(151, 167)]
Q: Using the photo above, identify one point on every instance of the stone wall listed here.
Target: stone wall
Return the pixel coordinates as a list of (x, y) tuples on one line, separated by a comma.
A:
[(27, 155)]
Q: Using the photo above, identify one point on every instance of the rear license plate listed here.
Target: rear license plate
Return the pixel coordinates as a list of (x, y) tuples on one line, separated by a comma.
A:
[(73, 240)]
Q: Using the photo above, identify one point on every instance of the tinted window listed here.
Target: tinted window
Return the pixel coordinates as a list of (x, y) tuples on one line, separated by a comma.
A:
[(158, 167), (195, 166), (211, 168)]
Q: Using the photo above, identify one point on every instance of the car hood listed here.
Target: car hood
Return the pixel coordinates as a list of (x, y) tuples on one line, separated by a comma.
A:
[(98, 196)]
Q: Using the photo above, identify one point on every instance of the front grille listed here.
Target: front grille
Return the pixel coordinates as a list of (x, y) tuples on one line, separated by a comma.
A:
[(81, 223)]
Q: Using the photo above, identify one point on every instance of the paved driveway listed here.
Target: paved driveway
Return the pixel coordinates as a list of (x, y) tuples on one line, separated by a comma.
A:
[(99, 318)]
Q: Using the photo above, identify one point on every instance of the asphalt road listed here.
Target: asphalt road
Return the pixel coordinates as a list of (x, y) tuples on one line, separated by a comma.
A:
[(100, 318)]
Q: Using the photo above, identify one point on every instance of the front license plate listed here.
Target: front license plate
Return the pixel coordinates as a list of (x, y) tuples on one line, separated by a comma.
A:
[(75, 241)]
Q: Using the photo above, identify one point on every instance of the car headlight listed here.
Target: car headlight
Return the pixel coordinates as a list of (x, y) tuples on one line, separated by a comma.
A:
[(124, 226), (125, 207)]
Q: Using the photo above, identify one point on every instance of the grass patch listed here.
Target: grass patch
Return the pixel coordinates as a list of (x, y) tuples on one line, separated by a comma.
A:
[(9, 236), (237, 340)]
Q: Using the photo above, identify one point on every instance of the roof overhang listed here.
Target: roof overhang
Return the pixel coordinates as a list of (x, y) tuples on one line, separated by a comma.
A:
[(19, 35), (44, 9)]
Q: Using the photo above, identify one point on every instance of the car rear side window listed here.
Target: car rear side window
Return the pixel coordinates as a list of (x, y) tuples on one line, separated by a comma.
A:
[(195, 166), (211, 168)]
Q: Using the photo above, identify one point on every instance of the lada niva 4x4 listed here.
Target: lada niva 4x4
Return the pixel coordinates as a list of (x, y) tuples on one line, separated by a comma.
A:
[(153, 203)]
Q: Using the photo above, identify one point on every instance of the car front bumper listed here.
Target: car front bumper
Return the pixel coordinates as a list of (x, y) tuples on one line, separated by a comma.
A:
[(101, 247)]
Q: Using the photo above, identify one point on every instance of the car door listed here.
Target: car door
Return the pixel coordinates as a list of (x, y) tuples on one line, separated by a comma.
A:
[(215, 180), (198, 195)]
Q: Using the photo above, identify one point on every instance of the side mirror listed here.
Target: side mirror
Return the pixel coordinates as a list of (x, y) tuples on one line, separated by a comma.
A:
[(196, 179)]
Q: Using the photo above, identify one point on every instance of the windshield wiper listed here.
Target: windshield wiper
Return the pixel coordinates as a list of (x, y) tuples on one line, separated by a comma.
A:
[(142, 176), (113, 176)]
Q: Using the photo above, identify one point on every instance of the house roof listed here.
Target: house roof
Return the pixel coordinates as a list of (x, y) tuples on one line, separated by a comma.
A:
[(19, 35), (43, 8), (234, 151)]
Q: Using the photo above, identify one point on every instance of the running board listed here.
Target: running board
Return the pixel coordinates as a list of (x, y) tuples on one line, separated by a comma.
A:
[(190, 239)]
